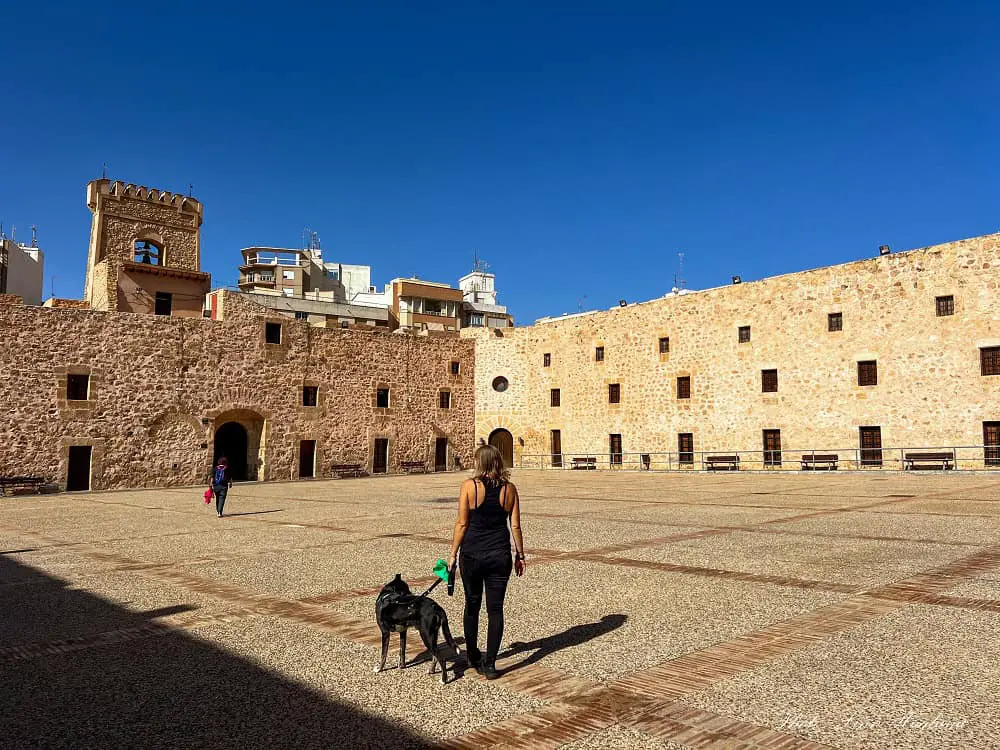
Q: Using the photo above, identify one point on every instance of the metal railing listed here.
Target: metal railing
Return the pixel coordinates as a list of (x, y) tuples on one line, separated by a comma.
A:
[(955, 458)]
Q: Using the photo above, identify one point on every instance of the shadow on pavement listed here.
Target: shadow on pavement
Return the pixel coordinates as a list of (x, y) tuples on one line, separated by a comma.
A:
[(77, 671), (574, 636)]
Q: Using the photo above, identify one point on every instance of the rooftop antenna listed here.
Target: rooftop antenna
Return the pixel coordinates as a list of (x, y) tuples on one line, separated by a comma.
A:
[(104, 171), (34, 236), (190, 189), (52, 286), (679, 281)]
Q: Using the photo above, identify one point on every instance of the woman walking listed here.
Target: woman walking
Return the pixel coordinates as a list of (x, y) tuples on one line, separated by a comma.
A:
[(486, 505), (222, 480)]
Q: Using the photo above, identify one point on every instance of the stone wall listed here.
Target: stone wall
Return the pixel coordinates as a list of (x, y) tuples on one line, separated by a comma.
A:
[(930, 391), (160, 387)]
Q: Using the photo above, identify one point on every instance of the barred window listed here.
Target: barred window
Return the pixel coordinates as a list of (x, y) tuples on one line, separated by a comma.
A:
[(769, 381), (685, 447), (868, 373), (989, 360), (945, 305), (599, 354), (835, 322), (614, 393), (744, 334), (684, 386), (554, 397), (664, 344), (546, 360)]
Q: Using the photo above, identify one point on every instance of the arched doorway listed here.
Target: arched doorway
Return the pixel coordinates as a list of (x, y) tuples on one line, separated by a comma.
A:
[(232, 441), (503, 441)]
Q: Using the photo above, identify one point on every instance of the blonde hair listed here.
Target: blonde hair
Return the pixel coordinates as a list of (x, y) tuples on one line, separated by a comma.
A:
[(489, 464)]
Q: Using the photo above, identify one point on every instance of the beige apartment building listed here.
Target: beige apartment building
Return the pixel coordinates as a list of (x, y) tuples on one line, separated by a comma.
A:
[(864, 362), (426, 305)]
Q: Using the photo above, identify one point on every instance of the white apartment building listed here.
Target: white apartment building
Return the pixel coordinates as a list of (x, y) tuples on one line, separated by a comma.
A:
[(21, 270)]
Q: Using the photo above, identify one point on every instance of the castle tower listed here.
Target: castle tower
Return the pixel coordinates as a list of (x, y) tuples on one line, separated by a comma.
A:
[(145, 251)]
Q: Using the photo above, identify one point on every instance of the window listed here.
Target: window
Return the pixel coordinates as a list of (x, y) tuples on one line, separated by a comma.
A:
[(164, 303), (554, 397), (871, 446), (991, 443), (147, 252), (77, 387), (345, 324), (615, 393), (432, 307), (989, 360), (288, 275), (456, 367), (382, 398), (288, 292), (476, 319), (615, 448), (684, 386), (744, 334), (664, 344), (835, 322), (444, 400), (546, 360), (500, 384), (769, 381), (599, 354), (772, 447), (685, 447), (301, 315), (309, 394), (868, 373), (945, 305), (272, 333)]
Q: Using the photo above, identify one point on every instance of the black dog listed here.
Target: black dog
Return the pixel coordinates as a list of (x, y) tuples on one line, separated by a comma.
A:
[(396, 609)]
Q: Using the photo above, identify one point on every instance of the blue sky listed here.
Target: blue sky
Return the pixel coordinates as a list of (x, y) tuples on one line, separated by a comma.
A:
[(577, 147)]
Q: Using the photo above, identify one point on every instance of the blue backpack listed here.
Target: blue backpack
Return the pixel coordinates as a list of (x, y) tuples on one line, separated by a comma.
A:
[(219, 477)]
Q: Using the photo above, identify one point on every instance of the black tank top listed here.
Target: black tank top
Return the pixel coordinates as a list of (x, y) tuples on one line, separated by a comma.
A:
[(487, 530)]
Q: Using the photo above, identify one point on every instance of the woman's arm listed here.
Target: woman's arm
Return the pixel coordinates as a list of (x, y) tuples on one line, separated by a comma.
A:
[(462, 523), (515, 529)]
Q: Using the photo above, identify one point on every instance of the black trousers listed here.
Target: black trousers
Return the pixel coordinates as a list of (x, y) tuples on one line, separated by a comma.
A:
[(488, 571), (220, 491)]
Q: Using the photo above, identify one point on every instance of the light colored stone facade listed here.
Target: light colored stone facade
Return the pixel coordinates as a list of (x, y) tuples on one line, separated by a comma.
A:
[(160, 388), (930, 391)]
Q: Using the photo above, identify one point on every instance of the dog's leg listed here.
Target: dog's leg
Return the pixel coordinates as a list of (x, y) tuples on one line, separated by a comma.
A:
[(402, 649), (436, 658), (446, 631), (385, 651)]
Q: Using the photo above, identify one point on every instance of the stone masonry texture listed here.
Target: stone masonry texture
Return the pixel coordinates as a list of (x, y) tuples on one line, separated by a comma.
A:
[(930, 391), (161, 386)]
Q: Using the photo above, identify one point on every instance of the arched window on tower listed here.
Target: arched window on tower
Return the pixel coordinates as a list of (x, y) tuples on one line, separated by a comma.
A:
[(148, 252)]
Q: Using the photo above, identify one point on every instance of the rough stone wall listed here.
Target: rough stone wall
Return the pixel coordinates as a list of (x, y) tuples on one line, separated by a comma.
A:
[(159, 387), (930, 391)]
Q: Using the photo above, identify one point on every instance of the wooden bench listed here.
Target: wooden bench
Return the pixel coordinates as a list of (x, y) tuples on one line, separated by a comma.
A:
[(813, 461), (729, 463), (13, 485), (585, 462), (348, 470), (944, 459), (414, 467)]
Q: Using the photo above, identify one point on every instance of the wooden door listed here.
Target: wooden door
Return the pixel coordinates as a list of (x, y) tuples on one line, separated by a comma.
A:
[(685, 447), (503, 441), (772, 447), (991, 441), (78, 472), (307, 459), (441, 454), (615, 446), (556, 449), (871, 446), (380, 461)]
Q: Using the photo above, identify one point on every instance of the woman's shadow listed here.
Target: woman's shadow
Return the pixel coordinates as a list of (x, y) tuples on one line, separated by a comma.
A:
[(574, 636)]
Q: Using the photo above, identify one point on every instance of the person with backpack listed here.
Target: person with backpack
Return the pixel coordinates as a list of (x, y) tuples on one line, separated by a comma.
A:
[(221, 481)]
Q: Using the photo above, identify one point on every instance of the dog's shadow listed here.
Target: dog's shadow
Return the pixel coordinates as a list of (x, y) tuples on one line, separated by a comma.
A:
[(573, 636)]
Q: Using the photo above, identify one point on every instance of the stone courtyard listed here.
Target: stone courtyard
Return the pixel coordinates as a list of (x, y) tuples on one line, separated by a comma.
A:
[(658, 611)]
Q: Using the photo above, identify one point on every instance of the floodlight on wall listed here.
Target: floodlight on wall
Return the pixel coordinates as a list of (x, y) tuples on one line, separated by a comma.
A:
[(622, 303), (737, 280), (883, 250)]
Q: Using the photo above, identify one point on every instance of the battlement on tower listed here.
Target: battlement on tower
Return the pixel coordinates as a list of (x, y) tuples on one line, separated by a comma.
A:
[(116, 189)]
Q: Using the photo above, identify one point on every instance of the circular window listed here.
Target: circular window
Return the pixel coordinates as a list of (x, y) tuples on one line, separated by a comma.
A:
[(500, 384)]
